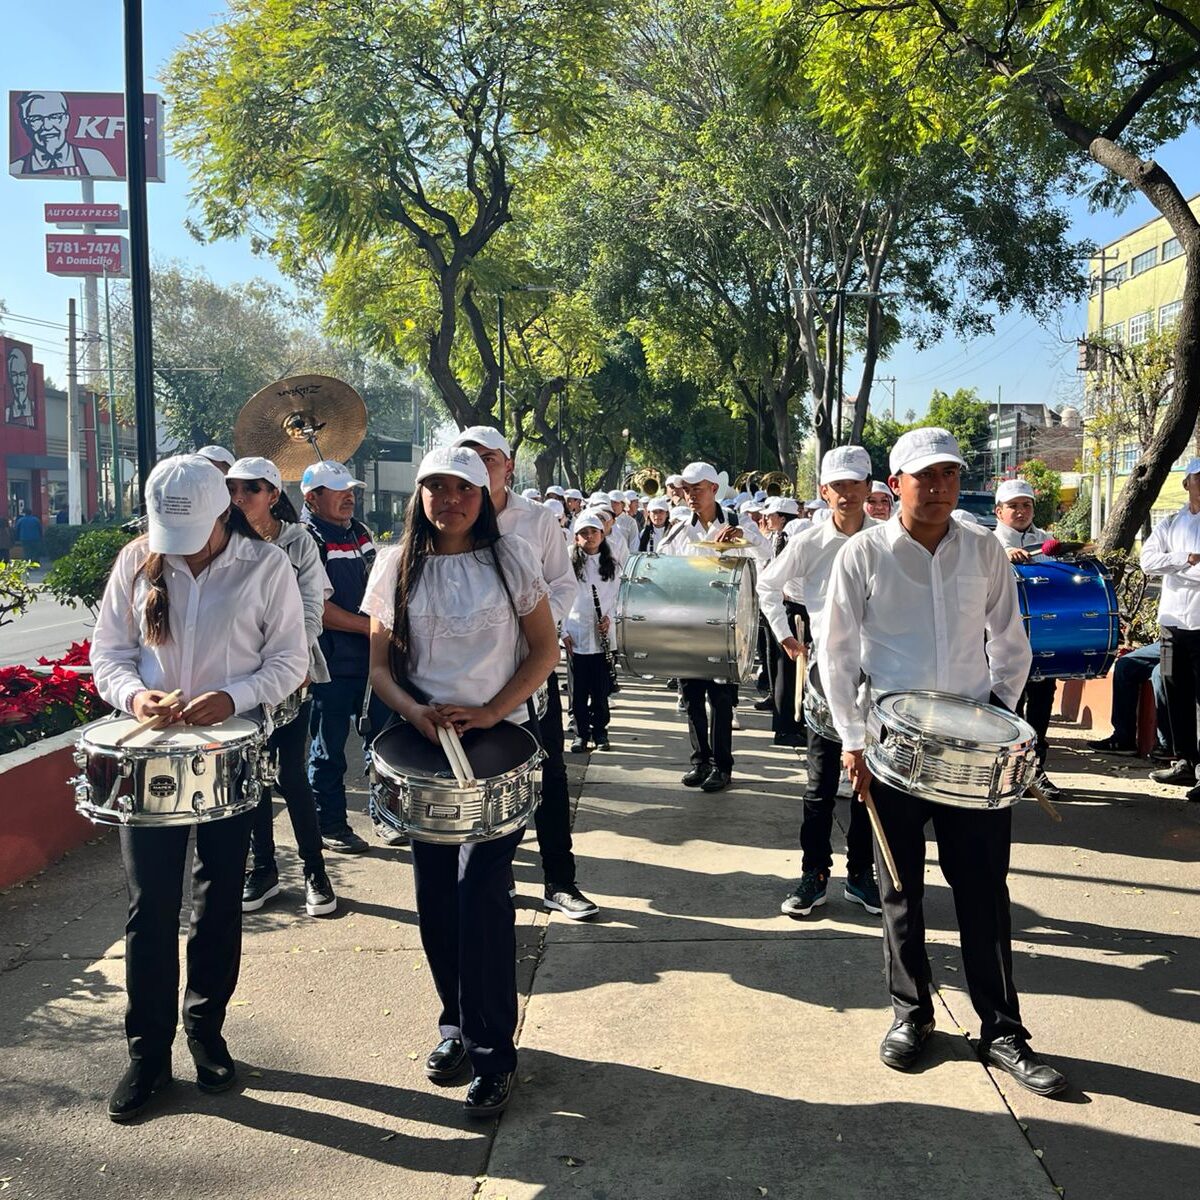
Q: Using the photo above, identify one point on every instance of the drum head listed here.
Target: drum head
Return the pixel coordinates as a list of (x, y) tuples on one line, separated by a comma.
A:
[(175, 737), (406, 751), (746, 627), (955, 718)]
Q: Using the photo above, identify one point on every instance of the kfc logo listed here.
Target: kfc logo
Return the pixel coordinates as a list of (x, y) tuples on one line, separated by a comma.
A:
[(20, 384)]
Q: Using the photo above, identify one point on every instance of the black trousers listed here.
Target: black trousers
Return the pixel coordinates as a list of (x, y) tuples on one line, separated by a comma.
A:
[(288, 744), (590, 678), (553, 817), (765, 644), (468, 930), (783, 674), (973, 848), (1035, 705), (1181, 681), (820, 800), (712, 737), (154, 862)]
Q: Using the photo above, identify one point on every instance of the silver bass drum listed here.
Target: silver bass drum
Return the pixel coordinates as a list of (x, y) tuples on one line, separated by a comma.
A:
[(687, 617)]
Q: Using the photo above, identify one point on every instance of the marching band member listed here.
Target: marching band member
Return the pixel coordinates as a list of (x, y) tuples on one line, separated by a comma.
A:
[(598, 577), (616, 543), (220, 458), (532, 494), (712, 738), (196, 607), (880, 501), (624, 526), (923, 602), (633, 508), (1022, 540), (463, 610), (573, 501), (516, 516), (256, 489), (807, 561), (658, 512), (673, 486)]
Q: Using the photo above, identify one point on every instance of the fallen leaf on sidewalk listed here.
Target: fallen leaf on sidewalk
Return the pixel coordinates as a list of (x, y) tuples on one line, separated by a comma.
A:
[(239, 1003), (387, 1012), (387, 1137), (567, 1160), (838, 1138), (256, 1074), (762, 1191), (1039, 1153), (413, 1055)]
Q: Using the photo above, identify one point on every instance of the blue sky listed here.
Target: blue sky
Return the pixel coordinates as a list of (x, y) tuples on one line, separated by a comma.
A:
[(1027, 361)]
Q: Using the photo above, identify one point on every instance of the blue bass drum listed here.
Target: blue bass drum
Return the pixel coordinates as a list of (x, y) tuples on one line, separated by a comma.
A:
[(1071, 617)]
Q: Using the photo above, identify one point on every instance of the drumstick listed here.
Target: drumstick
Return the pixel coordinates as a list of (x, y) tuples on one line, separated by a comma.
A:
[(153, 722), (801, 669), (1044, 801), (456, 742), (881, 837), (448, 750)]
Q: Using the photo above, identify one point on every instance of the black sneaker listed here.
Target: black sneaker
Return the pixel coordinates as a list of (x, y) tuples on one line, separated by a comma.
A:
[(261, 884), (766, 704), (602, 742), (1161, 754), (1180, 771), (579, 746), (697, 775), (319, 897), (861, 888), (389, 836), (1048, 789), (809, 894), (569, 901), (346, 842), (1110, 745)]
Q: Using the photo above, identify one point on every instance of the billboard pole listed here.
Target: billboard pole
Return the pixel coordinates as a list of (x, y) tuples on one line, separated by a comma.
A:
[(73, 506), (139, 243)]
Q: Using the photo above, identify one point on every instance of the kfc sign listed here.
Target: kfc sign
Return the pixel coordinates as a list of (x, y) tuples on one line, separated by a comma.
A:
[(77, 135), (21, 387), (89, 254)]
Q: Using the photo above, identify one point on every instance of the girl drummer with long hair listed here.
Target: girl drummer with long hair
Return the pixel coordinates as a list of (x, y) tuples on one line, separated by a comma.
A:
[(200, 609), (462, 636)]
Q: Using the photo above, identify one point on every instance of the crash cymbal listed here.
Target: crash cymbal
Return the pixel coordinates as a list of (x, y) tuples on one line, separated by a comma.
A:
[(281, 421)]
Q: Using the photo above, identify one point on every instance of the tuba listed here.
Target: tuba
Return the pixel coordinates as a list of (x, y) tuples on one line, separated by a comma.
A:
[(774, 483), (647, 480)]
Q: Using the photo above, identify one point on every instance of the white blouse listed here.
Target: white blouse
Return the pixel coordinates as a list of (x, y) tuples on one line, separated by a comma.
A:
[(465, 642), (580, 624)]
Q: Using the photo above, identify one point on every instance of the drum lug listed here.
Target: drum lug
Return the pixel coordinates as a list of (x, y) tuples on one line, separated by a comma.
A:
[(635, 618), (197, 802), (126, 767), (199, 766), (80, 758), (83, 791)]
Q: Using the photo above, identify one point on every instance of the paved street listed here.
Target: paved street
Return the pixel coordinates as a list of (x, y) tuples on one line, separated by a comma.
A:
[(46, 629), (692, 1043)]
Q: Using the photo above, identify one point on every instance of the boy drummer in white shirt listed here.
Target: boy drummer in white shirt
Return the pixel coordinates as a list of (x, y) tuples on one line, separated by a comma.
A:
[(924, 602)]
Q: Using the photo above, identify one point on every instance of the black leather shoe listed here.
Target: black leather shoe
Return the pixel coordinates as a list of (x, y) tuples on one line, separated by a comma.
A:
[(1179, 771), (139, 1084), (766, 704), (215, 1070), (489, 1094), (717, 781), (446, 1060), (903, 1043), (697, 775), (1012, 1054)]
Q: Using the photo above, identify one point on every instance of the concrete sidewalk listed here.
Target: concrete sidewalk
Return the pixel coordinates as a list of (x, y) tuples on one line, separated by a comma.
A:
[(690, 1043)]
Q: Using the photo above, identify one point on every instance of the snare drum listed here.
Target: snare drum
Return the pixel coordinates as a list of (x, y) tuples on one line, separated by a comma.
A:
[(951, 750), (288, 709), (181, 775), (414, 792), (1071, 617), (817, 715), (687, 617), (541, 700)]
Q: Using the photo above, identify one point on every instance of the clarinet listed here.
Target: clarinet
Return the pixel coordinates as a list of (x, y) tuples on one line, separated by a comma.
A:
[(609, 657)]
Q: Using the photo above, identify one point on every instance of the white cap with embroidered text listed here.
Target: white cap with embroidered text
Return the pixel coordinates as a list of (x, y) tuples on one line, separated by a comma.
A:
[(1010, 489), (256, 468), (458, 461), (328, 474), (921, 448), (184, 498), (216, 454), (485, 436), (701, 472), (845, 462)]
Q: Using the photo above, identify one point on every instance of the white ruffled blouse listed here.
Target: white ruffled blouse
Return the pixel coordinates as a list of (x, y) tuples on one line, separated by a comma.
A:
[(465, 642)]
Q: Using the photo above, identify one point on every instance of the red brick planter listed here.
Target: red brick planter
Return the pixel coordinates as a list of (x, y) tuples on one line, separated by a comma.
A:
[(38, 821)]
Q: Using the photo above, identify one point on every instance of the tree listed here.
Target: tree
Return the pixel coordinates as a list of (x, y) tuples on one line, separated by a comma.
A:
[(1047, 488), (380, 143), (1070, 86), (965, 416), (878, 437)]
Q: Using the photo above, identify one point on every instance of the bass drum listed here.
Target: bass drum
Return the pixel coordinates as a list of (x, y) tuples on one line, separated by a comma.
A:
[(1071, 616), (687, 617)]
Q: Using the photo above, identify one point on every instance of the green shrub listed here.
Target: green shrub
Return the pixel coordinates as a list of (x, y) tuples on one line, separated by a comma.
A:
[(17, 592), (58, 539), (80, 575)]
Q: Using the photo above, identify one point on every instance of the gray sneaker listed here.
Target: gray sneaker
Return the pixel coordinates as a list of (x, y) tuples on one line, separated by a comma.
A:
[(389, 836)]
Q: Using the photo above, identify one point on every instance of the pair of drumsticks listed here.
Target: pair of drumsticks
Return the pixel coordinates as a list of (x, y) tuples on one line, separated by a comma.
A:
[(452, 747), (155, 722)]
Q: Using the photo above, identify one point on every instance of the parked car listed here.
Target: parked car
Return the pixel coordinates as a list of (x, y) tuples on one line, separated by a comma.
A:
[(981, 505)]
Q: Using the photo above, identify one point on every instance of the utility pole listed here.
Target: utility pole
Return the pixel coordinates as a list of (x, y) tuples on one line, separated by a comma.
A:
[(892, 380), (996, 467), (73, 509), (1097, 521), (114, 473)]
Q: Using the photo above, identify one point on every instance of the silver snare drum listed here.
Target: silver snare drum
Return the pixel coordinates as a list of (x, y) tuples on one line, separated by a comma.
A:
[(951, 750), (687, 617), (183, 775), (817, 715), (414, 791), (288, 709)]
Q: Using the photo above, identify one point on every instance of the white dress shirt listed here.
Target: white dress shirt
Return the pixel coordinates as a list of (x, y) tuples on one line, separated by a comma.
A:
[(540, 528), (580, 624), (683, 538), (1014, 539), (1165, 552), (465, 643), (301, 548), (805, 563), (619, 548), (626, 527), (911, 620), (237, 627)]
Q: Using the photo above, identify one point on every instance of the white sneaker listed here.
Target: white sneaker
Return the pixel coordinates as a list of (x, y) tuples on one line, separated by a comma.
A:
[(736, 723)]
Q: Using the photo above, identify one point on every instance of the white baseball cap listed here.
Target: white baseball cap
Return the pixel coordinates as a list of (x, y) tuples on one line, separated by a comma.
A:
[(814, 505), (617, 497), (963, 517), (587, 520), (631, 495), (782, 504), (601, 510), (681, 512), (1192, 468), (454, 460), (256, 468), (659, 504), (554, 506), (880, 485), (554, 490), (328, 474), (845, 462), (217, 454), (530, 493), (700, 472), (1010, 489), (485, 436), (921, 448), (797, 525), (184, 498), (673, 481), (573, 494)]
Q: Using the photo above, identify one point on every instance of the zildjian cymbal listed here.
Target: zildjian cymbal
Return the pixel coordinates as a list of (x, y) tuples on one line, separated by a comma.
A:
[(297, 420)]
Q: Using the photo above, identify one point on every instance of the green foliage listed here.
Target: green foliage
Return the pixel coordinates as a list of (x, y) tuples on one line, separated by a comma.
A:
[(79, 577), (965, 416), (879, 436), (17, 591), (1047, 486), (1075, 525)]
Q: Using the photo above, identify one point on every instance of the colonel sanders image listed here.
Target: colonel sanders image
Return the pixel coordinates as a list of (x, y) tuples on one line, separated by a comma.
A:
[(45, 119), (19, 408)]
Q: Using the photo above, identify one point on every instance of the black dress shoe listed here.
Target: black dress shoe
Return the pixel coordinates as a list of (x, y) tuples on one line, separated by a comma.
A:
[(903, 1043), (766, 704), (1012, 1054), (141, 1081), (697, 775), (215, 1070), (1179, 771), (446, 1060), (717, 781), (489, 1094)]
